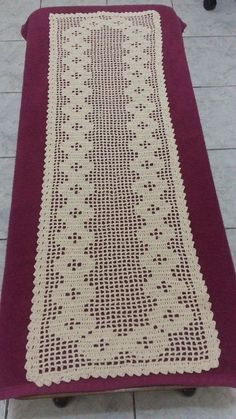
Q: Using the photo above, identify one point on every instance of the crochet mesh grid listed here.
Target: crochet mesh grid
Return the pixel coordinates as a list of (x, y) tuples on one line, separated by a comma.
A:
[(118, 288)]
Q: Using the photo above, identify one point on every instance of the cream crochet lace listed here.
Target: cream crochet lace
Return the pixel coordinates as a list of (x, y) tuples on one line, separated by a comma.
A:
[(118, 288)]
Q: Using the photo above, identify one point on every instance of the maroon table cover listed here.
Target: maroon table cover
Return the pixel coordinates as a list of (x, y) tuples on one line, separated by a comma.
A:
[(206, 222)]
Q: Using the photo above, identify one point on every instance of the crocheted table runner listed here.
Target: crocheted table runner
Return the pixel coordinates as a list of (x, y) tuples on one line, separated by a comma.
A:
[(118, 288)]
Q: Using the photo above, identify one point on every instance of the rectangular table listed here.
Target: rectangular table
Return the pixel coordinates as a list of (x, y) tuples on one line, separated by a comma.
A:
[(118, 273)]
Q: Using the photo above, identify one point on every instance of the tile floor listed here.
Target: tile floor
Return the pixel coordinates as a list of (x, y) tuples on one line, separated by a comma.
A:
[(210, 40)]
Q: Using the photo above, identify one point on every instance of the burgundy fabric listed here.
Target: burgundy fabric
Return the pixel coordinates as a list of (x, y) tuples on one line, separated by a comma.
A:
[(207, 226)]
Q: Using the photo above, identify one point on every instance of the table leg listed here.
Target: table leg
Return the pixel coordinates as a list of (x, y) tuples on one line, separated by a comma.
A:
[(188, 392), (209, 4), (61, 401)]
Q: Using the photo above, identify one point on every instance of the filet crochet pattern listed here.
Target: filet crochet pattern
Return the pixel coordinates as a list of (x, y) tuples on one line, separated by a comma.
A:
[(118, 288)]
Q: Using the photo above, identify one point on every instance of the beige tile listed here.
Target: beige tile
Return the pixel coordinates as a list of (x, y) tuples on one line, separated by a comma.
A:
[(52, 3), (11, 65), (2, 263), (9, 111), (6, 176), (216, 106), (231, 236), (223, 165), (2, 409), (212, 60), (13, 15), (220, 21), (161, 2), (207, 403), (106, 406)]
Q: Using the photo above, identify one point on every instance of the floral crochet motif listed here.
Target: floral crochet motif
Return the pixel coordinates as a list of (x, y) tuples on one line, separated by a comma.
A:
[(117, 288)]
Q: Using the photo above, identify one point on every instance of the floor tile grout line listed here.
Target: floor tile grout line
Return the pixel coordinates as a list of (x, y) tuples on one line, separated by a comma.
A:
[(221, 149), (6, 409), (12, 40), (134, 405), (8, 93), (211, 86), (209, 36)]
